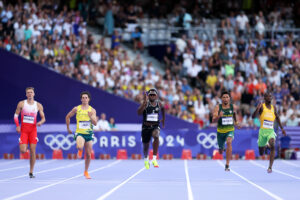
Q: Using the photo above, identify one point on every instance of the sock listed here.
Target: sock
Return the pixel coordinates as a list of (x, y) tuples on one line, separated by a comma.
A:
[(146, 158), (154, 157)]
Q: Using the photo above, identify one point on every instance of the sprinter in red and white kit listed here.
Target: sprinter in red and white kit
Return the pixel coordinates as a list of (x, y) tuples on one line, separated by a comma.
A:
[(29, 109)]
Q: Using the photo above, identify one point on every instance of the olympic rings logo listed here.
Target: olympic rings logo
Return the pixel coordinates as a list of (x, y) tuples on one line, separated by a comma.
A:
[(59, 141), (207, 140)]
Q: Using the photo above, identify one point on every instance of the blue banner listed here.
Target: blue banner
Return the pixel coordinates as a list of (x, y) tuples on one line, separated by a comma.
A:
[(171, 142)]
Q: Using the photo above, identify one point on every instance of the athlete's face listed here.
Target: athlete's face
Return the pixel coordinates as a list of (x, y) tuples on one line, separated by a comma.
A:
[(85, 99), (29, 94), (268, 98), (152, 97), (225, 99)]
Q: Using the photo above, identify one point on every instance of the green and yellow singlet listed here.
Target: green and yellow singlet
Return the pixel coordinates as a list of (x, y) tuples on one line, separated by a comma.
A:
[(84, 124), (226, 123)]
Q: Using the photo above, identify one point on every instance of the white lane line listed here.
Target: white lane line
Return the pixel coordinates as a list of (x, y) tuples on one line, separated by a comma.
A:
[(43, 171), (290, 163), (59, 182), (120, 185), (38, 163), (274, 196), (9, 162), (274, 170), (188, 183)]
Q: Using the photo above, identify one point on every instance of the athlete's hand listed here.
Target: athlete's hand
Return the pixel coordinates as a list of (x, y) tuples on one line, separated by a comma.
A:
[(39, 123), (283, 132), (18, 129), (69, 131), (221, 114), (145, 98), (90, 114), (238, 125)]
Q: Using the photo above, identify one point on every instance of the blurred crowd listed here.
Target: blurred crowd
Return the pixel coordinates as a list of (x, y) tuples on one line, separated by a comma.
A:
[(196, 70)]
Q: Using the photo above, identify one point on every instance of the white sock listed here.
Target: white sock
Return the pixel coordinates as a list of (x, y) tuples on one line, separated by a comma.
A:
[(154, 157), (146, 158)]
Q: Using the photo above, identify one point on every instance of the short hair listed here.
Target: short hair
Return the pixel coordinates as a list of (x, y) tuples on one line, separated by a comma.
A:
[(85, 92), (267, 93), (225, 92), (29, 88)]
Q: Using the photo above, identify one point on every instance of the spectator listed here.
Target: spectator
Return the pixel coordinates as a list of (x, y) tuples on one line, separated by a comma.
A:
[(115, 39), (293, 121), (137, 40), (102, 124), (112, 124)]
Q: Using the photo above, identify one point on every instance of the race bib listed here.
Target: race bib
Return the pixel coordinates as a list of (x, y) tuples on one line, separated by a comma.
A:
[(227, 121), (268, 124), (84, 124), (28, 119), (152, 117)]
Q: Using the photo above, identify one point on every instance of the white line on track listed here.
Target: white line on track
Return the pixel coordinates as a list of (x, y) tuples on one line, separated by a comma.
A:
[(290, 163), (44, 171), (120, 185), (188, 183), (274, 170), (38, 163), (59, 182), (274, 196), (9, 162)]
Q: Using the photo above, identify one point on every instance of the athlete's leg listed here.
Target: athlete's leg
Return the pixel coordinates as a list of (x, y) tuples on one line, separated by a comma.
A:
[(228, 150), (79, 145), (221, 141), (261, 150), (23, 148), (146, 149), (272, 152), (88, 146), (32, 156), (155, 144), (80, 142)]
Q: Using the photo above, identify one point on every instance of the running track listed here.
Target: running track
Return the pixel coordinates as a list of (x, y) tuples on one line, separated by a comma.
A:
[(128, 180)]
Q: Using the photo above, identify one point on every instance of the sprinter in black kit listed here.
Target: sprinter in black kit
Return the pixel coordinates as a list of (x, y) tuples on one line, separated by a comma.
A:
[(150, 108)]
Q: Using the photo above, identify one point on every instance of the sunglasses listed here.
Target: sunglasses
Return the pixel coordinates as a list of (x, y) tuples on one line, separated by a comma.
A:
[(152, 94)]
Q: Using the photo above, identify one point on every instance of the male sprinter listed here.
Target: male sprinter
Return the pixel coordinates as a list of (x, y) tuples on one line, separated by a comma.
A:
[(267, 135), (150, 109), (225, 115), (29, 109), (86, 118)]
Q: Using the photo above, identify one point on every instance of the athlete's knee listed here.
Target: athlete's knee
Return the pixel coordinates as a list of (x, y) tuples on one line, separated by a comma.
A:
[(155, 134), (229, 141), (23, 150)]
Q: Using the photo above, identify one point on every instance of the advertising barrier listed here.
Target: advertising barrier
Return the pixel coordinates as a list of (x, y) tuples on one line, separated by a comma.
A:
[(171, 142)]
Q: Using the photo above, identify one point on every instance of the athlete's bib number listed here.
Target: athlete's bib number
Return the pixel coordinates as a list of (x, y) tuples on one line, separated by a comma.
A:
[(268, 124), (152, 117), (84, 124), (28, 119), (227, 121)]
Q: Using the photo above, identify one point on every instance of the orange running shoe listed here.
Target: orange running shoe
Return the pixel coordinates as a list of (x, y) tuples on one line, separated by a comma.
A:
[(87, 176), (79, 154)]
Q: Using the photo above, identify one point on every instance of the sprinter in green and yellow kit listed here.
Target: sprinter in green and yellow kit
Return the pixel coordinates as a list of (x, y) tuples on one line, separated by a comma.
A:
[(85, 118), (225, 115), (267, 115)]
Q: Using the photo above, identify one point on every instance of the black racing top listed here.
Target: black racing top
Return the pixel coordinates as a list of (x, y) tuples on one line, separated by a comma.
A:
[(151, 114)]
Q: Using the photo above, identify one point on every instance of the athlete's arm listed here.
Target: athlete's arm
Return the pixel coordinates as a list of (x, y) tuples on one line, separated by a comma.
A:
[(16, 116), (216, 114), (163, 112), (42, 114), (143, 105), (258, 110), (93, 117), (69, 115), (278, 121), (236, 123)]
